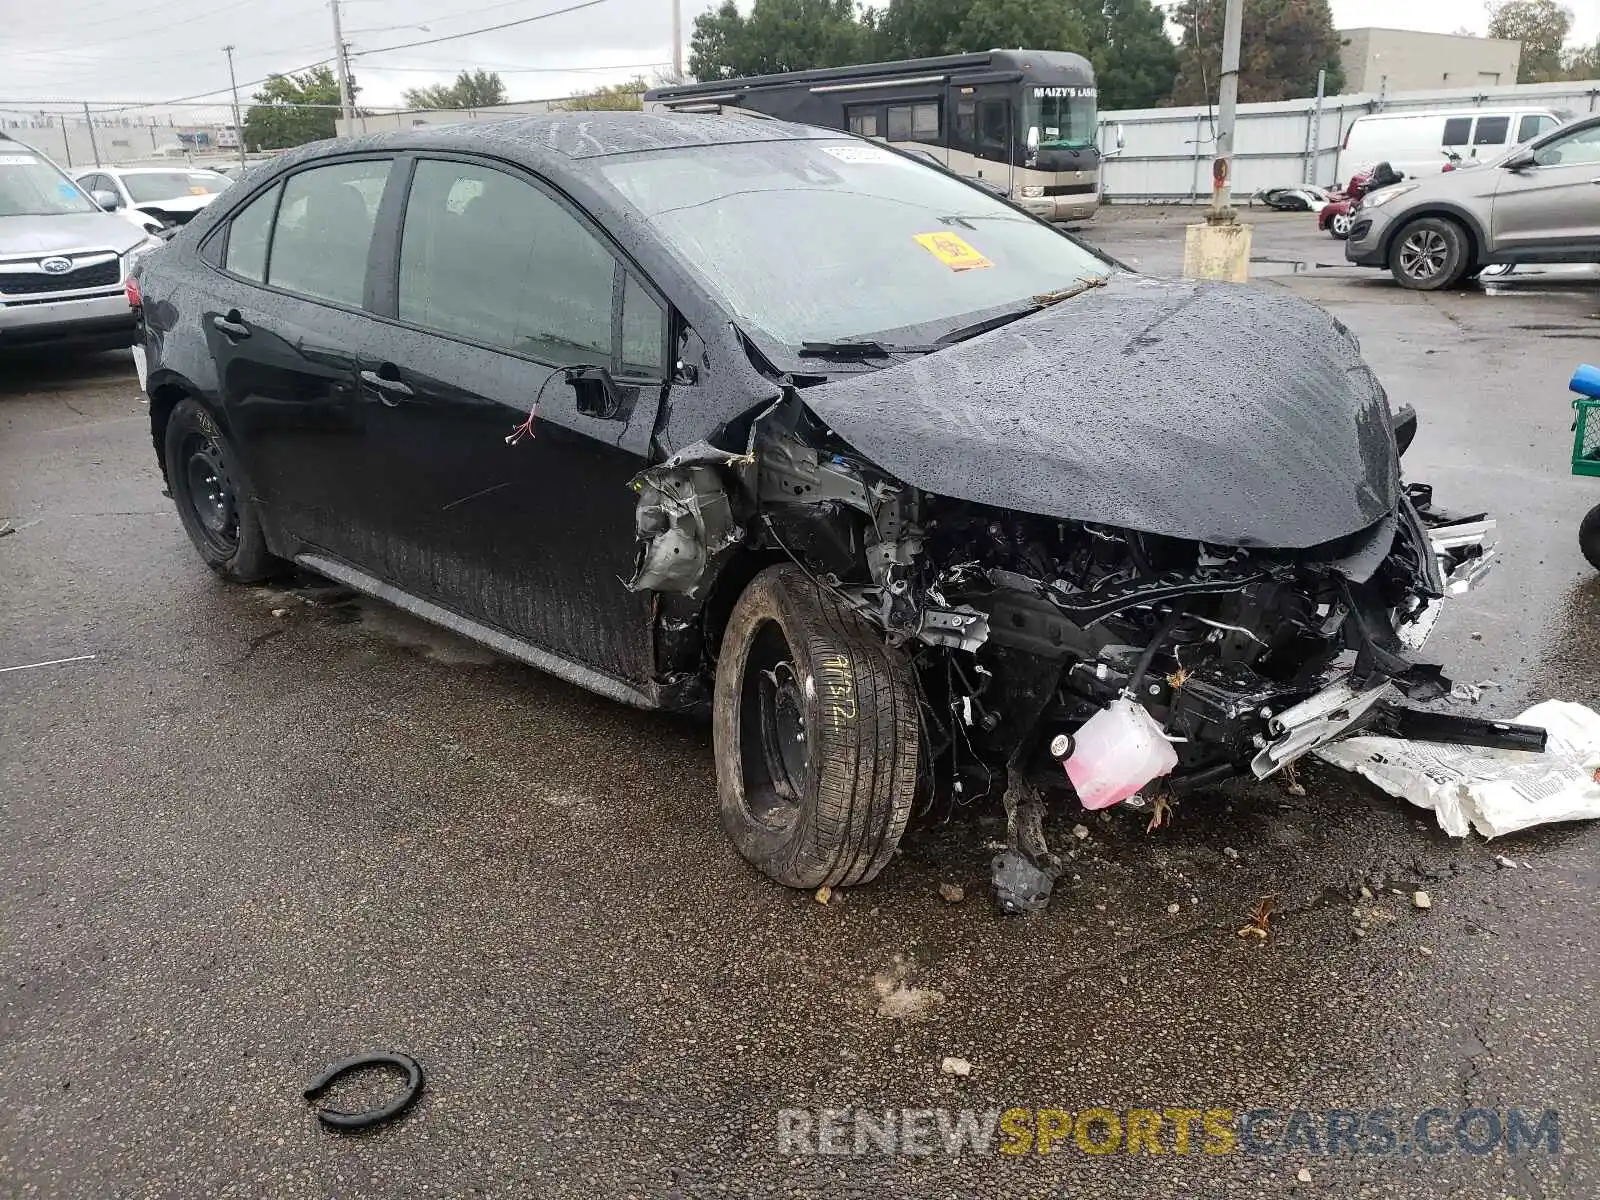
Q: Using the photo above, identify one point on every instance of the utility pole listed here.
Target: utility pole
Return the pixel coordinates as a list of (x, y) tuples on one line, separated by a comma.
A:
[(1227, 105), (1219, 247), (89, 121), (238, 126), (340, 62), (677, 41)]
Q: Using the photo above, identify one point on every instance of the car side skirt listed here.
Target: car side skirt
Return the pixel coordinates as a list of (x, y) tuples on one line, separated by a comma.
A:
[(497, 640)]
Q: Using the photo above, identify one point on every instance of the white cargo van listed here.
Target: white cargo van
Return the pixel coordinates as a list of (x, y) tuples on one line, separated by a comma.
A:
[(1425, 143)]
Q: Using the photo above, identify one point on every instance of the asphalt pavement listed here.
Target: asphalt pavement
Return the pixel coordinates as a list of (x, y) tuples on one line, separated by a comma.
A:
[(261, 829)]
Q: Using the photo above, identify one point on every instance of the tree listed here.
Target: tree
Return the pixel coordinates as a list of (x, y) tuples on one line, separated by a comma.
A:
[(1285, 44), (1582, 62), (472, 89), (617, 96), (283, 114), (1542, 27), (1135, 62), (778, 35)]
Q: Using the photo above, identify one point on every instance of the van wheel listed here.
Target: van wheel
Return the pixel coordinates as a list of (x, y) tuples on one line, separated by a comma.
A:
[(1589, 537), (1428, 254), (213, 498), (817, 735)]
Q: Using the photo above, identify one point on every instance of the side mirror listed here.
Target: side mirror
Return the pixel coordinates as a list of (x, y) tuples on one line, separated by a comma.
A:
[(1520, 161), (107, 200), (599, 395)]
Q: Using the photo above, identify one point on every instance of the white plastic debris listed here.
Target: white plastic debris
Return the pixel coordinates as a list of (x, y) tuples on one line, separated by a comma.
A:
[(1495, 792), (1118, 750)]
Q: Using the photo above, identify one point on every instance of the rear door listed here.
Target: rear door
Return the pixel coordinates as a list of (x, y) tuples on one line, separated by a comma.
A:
[(516, 510), (1550, 209), (285, 325)]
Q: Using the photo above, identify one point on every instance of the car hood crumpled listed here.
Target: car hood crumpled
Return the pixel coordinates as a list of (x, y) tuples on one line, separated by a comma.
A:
[(1221, 413)]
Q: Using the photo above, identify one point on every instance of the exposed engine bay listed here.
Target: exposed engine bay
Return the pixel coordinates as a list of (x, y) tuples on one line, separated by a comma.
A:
[(1022, 628)]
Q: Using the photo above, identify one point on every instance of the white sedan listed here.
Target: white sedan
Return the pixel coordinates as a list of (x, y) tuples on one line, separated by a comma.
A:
[(171, 195)]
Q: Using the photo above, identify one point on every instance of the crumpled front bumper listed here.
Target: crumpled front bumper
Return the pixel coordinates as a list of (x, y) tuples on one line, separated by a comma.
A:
[(1465, 553)]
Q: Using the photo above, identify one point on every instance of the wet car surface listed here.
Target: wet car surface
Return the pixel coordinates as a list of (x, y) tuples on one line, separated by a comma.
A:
[(242, 845)]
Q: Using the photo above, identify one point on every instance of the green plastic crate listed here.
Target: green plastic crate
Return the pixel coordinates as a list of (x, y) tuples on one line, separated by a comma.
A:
[(1586, 437)]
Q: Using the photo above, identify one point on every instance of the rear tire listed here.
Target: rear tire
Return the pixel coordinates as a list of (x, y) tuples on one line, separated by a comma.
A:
[(1429, 254), (214, 498), (817, 733), (1589, 537)]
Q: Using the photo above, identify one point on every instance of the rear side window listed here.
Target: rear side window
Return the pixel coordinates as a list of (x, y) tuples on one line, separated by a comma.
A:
[(1491, 131), (1457, 131), (323, 230), (492, 258), (247, 237)]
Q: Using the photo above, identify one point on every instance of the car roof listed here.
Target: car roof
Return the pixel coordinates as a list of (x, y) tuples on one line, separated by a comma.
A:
[(583, 135), (184, 168)]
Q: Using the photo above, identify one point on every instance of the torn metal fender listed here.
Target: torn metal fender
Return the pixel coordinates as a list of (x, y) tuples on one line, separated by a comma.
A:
[(684, 519)]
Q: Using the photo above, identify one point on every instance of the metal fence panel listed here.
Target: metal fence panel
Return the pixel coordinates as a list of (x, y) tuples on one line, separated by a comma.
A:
[(1166, 154)]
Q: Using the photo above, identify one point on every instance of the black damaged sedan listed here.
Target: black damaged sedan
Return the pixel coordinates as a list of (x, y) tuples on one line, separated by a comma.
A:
[(912, 492)]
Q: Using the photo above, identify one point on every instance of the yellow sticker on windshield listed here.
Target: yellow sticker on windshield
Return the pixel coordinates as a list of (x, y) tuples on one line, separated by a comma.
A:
[(198, 191), (953, 251)]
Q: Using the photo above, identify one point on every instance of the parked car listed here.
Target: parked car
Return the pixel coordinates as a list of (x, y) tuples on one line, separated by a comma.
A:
[(1424, 143), (907, 495), (171, 195), (1537, 204), (63, 262)]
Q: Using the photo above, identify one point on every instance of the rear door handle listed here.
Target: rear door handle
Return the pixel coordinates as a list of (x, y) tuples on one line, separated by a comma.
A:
[(389, 390), (232, 325)]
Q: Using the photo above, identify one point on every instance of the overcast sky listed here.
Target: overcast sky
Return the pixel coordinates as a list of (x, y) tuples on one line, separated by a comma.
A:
[(114, 50)]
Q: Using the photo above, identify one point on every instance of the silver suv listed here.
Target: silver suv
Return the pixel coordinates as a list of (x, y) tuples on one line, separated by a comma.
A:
[(63, 261), (1538, 203)]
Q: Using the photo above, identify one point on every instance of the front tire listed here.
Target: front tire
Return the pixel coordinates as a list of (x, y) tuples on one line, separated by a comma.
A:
[(817, 734), (1589, 537), (213, 497), (1429, 254), (1339, 225)]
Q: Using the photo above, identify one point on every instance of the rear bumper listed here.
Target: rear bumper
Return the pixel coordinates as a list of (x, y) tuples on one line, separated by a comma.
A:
[(102, 319)]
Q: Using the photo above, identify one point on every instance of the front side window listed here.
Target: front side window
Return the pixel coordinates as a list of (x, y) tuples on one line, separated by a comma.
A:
[(324, 228), (1580, 147), (247, 237), (868, 242), (490, 257), (644, 328), (31, 187), (1532, 125)]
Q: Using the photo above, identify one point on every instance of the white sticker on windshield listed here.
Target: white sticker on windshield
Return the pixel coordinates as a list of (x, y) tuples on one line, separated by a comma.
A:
[(861, 154), (17, 160)]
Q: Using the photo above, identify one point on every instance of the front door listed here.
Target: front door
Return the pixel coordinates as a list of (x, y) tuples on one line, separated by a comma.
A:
[(1550, 209), (512, 506)]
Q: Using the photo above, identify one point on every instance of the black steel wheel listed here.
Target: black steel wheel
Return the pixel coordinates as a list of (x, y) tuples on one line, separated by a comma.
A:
[(213, 496), (817, 736)]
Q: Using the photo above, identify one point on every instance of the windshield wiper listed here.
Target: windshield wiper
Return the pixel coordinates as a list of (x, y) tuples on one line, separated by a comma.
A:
[(1043, 300), (859, 348)]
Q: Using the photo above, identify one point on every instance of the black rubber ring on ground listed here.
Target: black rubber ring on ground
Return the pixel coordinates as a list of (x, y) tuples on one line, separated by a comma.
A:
[(335, 1119)]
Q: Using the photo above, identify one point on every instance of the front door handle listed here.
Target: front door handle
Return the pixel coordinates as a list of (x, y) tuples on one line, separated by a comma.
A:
[(389, 390), (232, 325)]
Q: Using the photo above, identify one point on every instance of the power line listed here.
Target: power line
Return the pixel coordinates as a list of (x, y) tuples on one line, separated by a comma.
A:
[(72, 51), (506, 70), (450, 37)]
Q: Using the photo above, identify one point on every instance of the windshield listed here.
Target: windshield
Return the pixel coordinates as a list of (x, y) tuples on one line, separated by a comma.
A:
[(1064, 116), (31, 187), (164, 185), (825, 241)]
